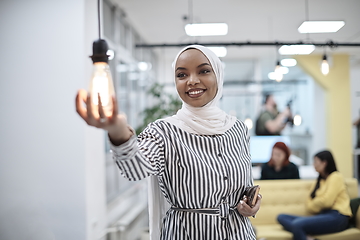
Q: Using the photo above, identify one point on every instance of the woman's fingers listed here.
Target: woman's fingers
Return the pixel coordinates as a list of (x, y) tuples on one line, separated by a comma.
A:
[(95, 115), (115, 111), (116, 124), (257, 204), (92, 119), (245, 210), (102, 115), (80, 98)]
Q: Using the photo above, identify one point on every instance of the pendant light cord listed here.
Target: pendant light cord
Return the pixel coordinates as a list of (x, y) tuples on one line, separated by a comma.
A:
[(306, 10), (99, 22), (307, 17), (190, 6)]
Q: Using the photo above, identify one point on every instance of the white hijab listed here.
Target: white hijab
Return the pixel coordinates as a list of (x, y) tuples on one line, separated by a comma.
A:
[(206, 120), (209, 119)]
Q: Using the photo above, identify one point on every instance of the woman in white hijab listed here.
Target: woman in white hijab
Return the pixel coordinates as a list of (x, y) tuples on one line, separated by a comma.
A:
[(198, 159)]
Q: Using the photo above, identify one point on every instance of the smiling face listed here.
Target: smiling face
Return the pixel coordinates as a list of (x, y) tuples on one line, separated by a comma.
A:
[(195, 78)]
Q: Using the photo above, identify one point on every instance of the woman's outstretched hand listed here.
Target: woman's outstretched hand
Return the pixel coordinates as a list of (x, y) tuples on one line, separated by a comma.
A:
[(115, 124), (247, 211)]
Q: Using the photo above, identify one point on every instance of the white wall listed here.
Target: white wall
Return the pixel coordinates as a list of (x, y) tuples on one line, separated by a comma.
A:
[(51, 167)]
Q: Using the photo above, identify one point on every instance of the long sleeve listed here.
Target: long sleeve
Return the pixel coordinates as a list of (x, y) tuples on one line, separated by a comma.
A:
[(332, 194), (191, 171), (294, 172), (141, 156)]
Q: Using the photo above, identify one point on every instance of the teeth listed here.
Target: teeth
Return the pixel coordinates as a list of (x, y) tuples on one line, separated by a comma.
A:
[(195, 92)]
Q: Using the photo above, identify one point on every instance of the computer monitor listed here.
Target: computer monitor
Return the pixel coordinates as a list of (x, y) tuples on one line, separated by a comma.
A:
[(261, 147)]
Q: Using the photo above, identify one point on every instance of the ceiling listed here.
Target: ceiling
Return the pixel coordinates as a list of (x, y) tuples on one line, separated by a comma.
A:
[(162, 22)]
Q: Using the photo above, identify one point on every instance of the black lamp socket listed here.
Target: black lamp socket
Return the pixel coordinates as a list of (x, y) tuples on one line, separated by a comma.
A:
[(100, 49)]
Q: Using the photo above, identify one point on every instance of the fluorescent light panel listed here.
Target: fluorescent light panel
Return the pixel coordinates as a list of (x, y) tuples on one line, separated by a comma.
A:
[(206, 29), (320, 26), (219, 51), (284, 70), (288, 62), (296, 49)]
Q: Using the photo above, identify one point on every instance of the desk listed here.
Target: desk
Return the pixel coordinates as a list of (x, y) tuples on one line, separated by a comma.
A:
[(356, 162)]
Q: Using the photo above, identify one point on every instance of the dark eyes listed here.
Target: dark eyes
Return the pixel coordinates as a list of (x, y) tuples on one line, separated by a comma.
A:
[(180, 75), (203, 71)]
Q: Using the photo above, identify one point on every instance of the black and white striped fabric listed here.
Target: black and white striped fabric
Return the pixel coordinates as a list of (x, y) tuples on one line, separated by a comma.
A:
[(194, 172)]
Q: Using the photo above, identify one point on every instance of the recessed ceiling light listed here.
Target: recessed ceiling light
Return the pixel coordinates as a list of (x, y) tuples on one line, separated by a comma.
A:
[(206, 29), (297, 120), (320, 26), (249, 123), (288, 62), (219, 51), (284, 70), (277, 76), (110, 54), (144, 66), (303, 49)]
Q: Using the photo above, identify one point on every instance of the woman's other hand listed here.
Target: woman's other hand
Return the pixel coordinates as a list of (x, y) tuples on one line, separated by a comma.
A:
[(115, 124), (247, 211)]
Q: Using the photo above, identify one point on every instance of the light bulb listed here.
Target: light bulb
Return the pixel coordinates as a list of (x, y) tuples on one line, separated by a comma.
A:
[(278, 72), (325, 66), (277, 67), (297, 120), (279, 76), (101, 83), (249, 123)]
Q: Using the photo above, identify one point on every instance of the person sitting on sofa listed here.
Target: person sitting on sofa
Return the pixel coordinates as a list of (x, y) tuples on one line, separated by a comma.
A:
[(279, 166), (328, 202)]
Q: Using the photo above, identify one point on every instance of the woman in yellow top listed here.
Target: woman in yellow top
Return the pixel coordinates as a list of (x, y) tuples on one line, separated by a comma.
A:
[(328, 202)]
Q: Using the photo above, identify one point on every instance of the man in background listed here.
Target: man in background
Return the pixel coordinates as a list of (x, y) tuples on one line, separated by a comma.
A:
[(270, 121)]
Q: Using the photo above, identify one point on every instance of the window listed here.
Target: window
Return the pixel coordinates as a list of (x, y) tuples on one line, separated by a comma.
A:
[(109, 20), (129, 85)]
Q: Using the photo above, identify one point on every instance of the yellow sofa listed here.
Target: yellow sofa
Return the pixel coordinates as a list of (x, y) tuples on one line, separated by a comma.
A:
[(289, 196)]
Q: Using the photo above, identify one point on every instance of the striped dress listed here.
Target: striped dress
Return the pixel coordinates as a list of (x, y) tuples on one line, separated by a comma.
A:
[(194, 172)]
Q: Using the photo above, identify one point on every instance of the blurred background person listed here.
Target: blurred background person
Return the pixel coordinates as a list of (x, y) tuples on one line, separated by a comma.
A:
[(270, 120), (328, 202), (279, 166), (356, 123)]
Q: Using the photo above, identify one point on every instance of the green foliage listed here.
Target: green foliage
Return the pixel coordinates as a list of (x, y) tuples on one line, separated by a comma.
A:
[(166, 105)]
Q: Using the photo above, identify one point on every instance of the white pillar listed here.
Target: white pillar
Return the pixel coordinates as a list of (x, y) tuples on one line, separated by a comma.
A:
[(51, 164)]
